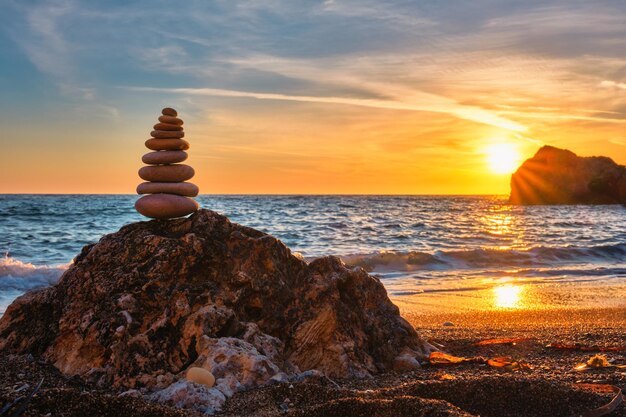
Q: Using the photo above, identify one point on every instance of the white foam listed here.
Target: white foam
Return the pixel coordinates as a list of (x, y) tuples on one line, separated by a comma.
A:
[(16, 275)]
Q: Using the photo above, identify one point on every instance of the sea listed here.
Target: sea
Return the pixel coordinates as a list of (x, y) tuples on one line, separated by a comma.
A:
[(416, 245)]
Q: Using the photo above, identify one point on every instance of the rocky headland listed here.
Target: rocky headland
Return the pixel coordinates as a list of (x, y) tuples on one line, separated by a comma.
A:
[(159, 308), (559, 176)]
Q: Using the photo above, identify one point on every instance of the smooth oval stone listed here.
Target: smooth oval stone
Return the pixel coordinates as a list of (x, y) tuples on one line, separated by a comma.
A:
[(200, 376), (167, 144), (167, 126), (167, 173), (167, 134), (180, 188), (164, 157), (168, 111), (165, 206), (171, 120)]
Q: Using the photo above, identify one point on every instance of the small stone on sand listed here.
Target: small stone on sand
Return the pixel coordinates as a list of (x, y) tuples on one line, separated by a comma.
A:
[(165, 206), (168, 111), (164, 157), (179, 188), (167, 144), (167, 173), (167, 134), (200, 376), (448, 324)]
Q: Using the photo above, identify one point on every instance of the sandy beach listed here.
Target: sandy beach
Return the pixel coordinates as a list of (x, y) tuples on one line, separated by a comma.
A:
[(545, 387)]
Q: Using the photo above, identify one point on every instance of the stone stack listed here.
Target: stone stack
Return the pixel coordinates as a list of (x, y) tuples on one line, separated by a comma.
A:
[(168, 193)]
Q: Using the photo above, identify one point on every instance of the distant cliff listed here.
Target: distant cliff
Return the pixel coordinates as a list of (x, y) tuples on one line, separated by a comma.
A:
[(559, 176)]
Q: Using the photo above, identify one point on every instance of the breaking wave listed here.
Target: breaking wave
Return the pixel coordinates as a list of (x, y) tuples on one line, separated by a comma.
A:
[(547, 257), (16, 275)]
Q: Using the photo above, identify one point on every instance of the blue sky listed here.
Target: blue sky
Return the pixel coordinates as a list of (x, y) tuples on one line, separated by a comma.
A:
[(298, 92)]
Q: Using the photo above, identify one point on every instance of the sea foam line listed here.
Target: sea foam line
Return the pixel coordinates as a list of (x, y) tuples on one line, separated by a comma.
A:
[(482, 258), (16, 275)]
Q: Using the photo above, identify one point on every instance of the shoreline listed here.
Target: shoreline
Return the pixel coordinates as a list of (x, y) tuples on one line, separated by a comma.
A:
[(514, 298)]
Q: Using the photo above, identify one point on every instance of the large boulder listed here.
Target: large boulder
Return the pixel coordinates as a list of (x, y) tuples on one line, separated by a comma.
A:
[(143, 305), (558, 176)]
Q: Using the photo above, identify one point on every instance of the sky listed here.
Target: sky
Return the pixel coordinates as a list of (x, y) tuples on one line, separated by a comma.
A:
[(306, 97)]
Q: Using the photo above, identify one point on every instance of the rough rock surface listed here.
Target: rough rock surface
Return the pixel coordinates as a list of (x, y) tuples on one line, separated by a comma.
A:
[(142, 305), (558, 176)]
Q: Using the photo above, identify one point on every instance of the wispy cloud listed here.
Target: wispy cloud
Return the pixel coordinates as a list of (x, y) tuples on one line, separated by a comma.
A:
[(613, 84), (43, 40), (438, 105)]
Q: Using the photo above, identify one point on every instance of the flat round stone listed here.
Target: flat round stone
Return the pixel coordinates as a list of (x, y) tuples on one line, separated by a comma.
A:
[(168, 111), (170, 119), (164, 157), (166, 173), (167, 126), (167, 134), (167, 144), (165, 206), (179, 188)]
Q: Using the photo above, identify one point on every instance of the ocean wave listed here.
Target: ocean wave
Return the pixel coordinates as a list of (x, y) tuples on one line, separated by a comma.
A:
[(16, 275), (487, 258)]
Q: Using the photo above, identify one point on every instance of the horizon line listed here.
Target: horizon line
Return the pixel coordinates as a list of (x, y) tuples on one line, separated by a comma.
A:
[(271, 194)]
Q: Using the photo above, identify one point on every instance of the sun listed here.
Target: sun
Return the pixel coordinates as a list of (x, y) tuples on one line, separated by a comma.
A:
[(503, 158)]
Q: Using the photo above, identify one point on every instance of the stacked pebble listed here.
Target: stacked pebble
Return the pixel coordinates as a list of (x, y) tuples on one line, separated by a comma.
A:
[(168, 192)]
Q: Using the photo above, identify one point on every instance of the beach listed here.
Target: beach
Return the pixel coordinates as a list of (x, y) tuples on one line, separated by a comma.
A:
[(545, 388)]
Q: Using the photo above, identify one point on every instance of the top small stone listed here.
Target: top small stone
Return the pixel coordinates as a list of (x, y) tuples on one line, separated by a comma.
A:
[(168, 111)]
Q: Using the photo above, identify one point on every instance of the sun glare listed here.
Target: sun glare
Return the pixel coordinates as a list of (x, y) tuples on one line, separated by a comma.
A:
[(507, 296), (503, 158)]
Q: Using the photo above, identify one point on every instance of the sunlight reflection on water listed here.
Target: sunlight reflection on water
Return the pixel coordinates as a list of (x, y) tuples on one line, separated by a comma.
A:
[(508, 296)]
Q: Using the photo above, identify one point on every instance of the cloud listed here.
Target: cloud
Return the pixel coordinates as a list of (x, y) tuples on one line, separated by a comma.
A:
[(43, 40), (613, 84), (438, 105), (513, 66)]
